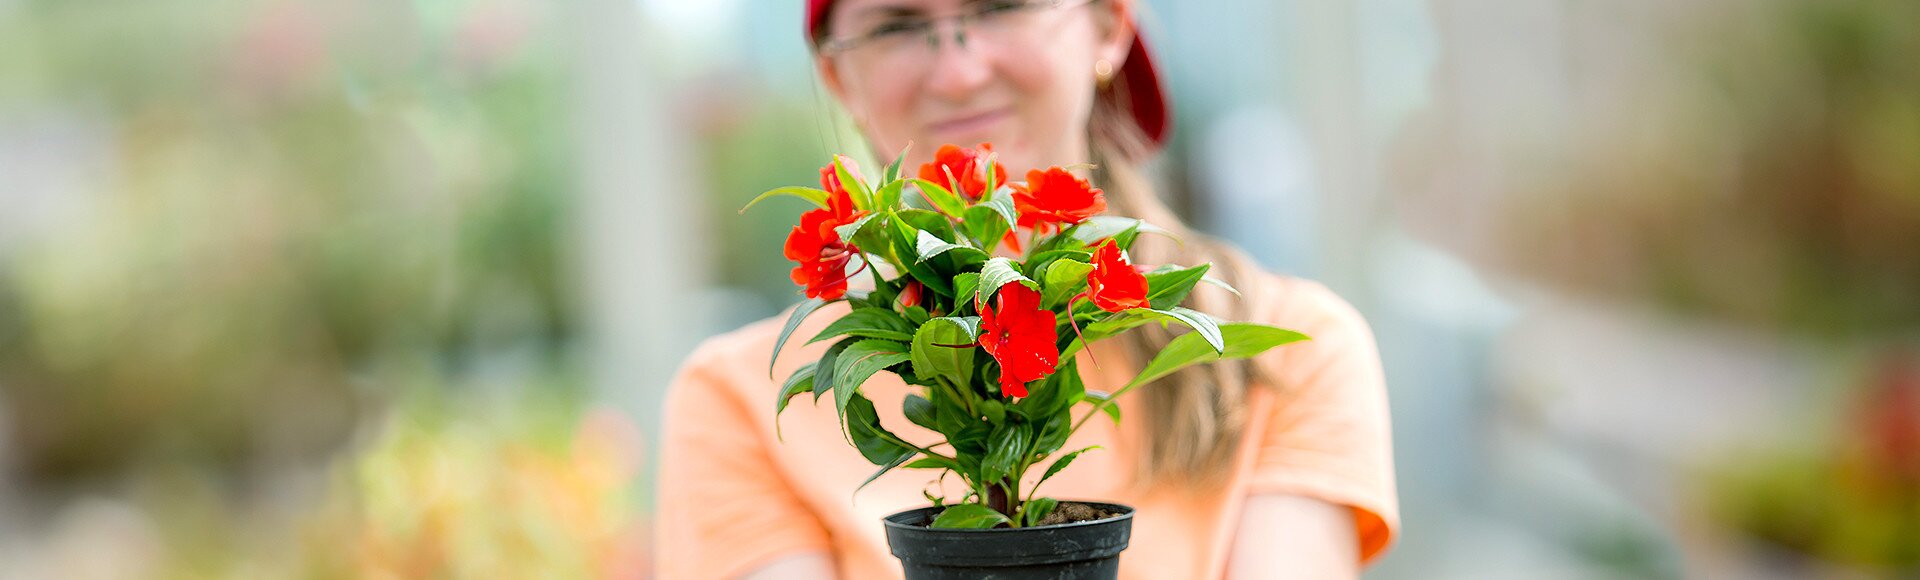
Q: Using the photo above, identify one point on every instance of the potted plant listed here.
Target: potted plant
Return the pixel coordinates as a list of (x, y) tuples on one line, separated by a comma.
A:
[(989, 341)]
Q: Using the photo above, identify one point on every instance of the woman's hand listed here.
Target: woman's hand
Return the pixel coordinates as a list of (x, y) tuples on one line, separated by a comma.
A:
[(1291, 536), (807, 566)]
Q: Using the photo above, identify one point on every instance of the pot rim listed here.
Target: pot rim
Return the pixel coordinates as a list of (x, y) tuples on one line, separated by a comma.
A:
[(1126, 513)]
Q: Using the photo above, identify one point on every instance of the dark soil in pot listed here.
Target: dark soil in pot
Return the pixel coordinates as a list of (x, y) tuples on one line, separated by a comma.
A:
[(1087, 548)]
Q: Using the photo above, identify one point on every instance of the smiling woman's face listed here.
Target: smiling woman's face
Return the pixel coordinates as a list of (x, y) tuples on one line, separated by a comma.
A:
[(1024, 83)]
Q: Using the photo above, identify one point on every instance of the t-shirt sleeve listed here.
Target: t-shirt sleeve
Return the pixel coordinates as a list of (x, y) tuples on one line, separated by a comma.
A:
[(723, 508), (1328, 437)]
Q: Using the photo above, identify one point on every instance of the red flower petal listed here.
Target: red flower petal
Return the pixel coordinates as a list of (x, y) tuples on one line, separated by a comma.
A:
[(822, 256), (968, 166), (1113, 284), (1056, 196), (1020, 336)]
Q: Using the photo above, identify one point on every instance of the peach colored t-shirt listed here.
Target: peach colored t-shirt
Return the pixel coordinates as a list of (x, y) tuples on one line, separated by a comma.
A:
[(732, 497)]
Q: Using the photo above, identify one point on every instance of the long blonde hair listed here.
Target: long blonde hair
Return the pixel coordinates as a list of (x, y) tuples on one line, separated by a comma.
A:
[(1194, 419)]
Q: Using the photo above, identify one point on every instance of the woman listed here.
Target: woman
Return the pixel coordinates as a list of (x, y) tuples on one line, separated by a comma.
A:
[(1280, 467)]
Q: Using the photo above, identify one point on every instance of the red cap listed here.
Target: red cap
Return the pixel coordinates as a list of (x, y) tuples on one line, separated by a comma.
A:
[(1136, 87)]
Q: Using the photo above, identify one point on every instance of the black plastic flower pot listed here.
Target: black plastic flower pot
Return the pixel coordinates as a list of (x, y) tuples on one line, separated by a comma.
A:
[(1089, 549)]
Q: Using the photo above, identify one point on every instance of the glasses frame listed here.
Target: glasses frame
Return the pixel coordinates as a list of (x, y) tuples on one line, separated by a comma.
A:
[(963, 20)]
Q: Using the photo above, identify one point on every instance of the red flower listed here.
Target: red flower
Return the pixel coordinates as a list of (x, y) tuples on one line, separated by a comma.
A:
[(822, 255), (966, 165), (909, 295), (1114, 285), (1019, 335), (1055, 197)]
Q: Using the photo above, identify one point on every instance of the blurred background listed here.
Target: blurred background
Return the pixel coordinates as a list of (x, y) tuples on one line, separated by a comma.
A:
[(391, 289)]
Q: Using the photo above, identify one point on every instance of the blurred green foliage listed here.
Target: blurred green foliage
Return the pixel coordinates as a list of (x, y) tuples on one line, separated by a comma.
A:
[(299, 200), (312, 281), (1762, 173)]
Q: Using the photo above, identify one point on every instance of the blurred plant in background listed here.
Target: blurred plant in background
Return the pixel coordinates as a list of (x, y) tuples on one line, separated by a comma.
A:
[(442, 495), (1752, 162), (1743, 164), (265, 222), (1854, 498)]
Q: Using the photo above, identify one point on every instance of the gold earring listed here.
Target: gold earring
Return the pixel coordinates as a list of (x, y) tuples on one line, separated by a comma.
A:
[(1103, 72)]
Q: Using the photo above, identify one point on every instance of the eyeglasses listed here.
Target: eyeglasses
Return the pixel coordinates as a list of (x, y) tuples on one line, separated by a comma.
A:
[(901, 39)]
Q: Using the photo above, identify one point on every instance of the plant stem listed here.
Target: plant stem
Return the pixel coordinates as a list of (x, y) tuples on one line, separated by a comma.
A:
[(965, 402), (1090, 412), (997, 498), (1013, 484), (1110, 400)]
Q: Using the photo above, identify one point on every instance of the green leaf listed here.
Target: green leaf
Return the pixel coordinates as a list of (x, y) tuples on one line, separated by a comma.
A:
[(995, 411), (1051, 435), (1167, 288), (969, 516), (987, 225), (1004, 207), (942, 198), (970, 441), (1037, 509), (953, 416), (793, 321), (1058, 392), (848, 231), (915, 315), (999, 272), (954, 363), (882, 471), (1243, 340), (868, 323), (934, 463), (823, 373), (1004, 451), (929, 246), (965, 286), (928, 221), (1126, 237), (1112, 324), (801, 381), (1064, 278), (1101, 227), (901, 240), (1068, 239), (1202, 324), (920, 411), (1038, 262), (876, 443), (883, 293), (1062, 463), (1216, 282), (858, 190), (893, 170), (815, 195), (888, 196), (859, 363), (993, 177)]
